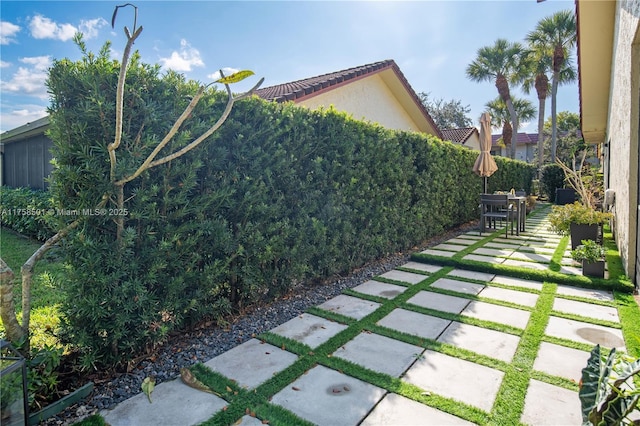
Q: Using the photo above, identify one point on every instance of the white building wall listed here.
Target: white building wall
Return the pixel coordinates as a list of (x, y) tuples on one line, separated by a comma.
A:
[(366, 99), (622, 129)]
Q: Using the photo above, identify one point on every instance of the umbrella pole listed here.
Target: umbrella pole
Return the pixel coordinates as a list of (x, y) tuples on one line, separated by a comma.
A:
[(484, 185)]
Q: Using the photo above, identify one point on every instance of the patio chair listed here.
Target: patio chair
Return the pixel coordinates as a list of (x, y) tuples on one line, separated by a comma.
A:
[(495, 207)]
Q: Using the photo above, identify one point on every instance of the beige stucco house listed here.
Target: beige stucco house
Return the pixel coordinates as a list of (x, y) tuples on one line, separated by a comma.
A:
[(609, 78), (469, 137), (376, 92)]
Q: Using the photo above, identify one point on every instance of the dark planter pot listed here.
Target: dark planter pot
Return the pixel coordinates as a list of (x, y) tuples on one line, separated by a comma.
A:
[(56, 407), (565, 196), (582, 232), (593, 269)]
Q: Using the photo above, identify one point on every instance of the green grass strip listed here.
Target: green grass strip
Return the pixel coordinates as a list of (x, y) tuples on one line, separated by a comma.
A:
[(629, 313), (509, 403)]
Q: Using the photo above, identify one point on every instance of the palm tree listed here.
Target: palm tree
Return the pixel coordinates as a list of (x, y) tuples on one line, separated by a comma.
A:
[(499, 63), (535, 75), (500, 117), (556, 35)]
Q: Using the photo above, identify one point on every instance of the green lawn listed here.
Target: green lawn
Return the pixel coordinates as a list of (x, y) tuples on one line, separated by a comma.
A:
[(15, 249)]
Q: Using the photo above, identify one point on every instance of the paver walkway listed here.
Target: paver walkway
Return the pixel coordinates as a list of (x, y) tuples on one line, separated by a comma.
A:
[(422, 344)]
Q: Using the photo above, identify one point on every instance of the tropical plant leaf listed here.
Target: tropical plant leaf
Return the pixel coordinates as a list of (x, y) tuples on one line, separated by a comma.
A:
[(590, 384), (235, 77), (148, 384)]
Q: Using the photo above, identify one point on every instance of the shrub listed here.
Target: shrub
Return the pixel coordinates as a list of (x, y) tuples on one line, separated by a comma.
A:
[(552, 178), (278, 196), (561, 217), (27, 211)]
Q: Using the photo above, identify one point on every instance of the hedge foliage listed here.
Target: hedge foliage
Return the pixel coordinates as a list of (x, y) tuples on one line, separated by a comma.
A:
[(278, 197), (27, 211), (552, 178)]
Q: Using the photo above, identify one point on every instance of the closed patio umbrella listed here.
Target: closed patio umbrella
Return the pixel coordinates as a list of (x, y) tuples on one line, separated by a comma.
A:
[(485, 165)]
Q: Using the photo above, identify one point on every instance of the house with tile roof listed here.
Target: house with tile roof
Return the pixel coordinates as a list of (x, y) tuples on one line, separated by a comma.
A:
[(377, 92), (526, 146), (469, 137)]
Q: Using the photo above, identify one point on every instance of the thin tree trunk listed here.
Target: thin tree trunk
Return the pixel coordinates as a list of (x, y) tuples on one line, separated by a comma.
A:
[(554, 124), (514, 126), (541, 106), (7, 307)]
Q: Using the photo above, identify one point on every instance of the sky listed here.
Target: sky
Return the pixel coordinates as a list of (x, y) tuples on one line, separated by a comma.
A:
[(432, 42)]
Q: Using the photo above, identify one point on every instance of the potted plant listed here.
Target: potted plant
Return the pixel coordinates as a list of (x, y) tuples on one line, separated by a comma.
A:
[(591, 254), (578, 220)]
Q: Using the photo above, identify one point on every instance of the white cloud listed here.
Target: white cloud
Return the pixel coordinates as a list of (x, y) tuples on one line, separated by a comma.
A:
[(4, 64), (184, 60), (29, 80), (12, 118), (91, 27), (8, 32), (39, 62), (42, 27)]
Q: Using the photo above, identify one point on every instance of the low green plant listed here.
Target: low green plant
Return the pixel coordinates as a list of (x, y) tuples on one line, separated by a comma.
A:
[(552, 178), (607, 392), (589, 251), (561, 217)]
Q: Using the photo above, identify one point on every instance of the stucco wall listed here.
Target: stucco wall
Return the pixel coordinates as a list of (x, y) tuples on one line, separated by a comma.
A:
[(622, 129), (367, 99)]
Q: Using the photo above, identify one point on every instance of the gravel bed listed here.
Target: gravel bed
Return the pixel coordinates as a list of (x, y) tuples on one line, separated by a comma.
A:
[(206, 343)]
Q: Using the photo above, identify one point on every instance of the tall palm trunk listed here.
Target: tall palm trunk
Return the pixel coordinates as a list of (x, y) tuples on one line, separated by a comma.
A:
[(503, 89), (558, 62), (542, 87), (514, 126)]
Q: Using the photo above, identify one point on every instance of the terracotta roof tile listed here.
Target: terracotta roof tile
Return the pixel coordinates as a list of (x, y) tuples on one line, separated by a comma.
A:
[(458, 135), (298, 90)]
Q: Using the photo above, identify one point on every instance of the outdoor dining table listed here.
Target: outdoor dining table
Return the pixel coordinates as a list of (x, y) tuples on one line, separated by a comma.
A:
[(521, 211)]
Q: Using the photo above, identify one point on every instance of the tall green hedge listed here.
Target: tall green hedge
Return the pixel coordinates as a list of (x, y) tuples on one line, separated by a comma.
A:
[(279, 196)]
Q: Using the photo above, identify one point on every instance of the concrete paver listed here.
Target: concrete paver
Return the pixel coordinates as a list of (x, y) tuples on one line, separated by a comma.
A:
[(167, 409), (326, 397), (405, 277), (458, 286), (462, 241), (493, 252), (579, 331), (525, 264), (379, 353), (441, 253), (494, 344), (471, 275), (377, 288), (249, 421), (439, 302), (513, 296), (532, 257), (251, 363), (414, 323), (424, 267), (496, 313), (485, 259), (561, 361), (606, 313), (517, 282), (449, 247), (449, 376), (561, 406), (349, 306), (586, 293), (309, 329), (398, 410)]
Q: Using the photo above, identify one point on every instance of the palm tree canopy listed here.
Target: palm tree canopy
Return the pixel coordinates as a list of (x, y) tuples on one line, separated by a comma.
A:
[(555, 34), (558, 29), (500, 114), (501, 59)]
